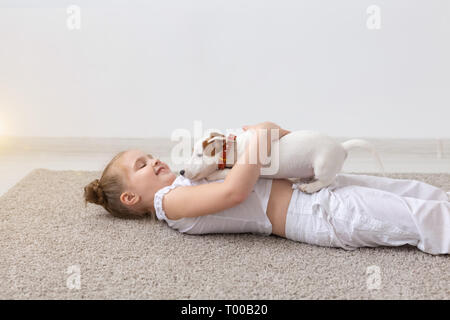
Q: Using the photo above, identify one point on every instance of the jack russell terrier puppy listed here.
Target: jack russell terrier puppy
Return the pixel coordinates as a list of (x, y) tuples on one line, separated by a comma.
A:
[(301, 155)]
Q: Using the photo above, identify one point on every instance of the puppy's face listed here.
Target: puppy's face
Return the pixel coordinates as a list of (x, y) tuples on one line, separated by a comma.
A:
[(205, 156)]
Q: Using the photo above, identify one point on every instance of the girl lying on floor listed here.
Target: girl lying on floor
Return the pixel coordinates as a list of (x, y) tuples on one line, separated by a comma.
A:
[(355, 211)]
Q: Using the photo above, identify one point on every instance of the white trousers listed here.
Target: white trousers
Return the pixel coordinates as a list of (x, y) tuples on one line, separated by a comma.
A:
[(369, 211)]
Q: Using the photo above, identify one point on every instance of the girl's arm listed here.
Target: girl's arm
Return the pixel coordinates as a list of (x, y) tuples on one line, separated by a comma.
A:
[(199, 200), (213, 197)]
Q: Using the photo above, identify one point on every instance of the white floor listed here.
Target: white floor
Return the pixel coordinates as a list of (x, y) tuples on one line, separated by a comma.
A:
[(20, 155)]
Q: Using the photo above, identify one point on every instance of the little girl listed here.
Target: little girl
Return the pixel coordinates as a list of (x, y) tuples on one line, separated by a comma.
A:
[(355, 211)]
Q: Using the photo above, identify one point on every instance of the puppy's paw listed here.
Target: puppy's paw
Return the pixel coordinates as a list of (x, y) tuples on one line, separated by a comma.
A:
[(296, 186), (310, 187)]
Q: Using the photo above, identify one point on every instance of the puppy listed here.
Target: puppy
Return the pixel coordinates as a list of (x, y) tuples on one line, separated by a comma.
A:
[(300, 155)]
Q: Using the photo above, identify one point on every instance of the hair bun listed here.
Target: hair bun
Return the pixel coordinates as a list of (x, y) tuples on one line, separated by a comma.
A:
[(93, 193)]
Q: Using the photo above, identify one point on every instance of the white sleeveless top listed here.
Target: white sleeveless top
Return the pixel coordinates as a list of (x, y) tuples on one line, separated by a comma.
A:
[(247, 217)]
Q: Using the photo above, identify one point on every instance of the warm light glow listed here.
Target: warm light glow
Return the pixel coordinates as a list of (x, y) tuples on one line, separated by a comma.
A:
[(2, 127)]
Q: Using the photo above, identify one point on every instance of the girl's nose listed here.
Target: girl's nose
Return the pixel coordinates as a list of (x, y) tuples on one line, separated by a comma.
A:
[(156, 162)]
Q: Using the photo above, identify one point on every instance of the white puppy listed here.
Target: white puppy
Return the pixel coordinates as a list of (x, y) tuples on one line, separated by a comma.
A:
[(298, 155)]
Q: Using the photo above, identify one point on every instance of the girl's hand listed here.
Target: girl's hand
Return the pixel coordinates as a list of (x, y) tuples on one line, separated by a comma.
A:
[(267, 125)]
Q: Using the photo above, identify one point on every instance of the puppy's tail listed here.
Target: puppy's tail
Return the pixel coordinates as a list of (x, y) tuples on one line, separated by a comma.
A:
[(359, 143)]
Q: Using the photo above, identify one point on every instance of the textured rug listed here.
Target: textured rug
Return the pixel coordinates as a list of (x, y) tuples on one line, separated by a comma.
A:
[(54, 248)]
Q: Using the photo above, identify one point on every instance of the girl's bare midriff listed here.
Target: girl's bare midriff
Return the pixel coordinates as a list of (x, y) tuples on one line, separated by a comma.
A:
[(278, 204)]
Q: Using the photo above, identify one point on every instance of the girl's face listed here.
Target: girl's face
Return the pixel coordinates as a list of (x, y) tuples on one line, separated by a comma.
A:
[(145, 175)]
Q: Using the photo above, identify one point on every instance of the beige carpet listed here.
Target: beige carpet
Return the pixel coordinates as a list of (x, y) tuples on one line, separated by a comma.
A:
[(47, 236)]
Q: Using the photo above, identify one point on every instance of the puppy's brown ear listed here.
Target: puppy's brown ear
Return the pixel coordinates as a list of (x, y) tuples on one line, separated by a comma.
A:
[(210, 144), (205, 144), (212, 137), (216, 134)]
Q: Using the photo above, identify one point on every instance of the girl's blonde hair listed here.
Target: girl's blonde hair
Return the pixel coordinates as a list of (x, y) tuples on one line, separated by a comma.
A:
[(106, 192)]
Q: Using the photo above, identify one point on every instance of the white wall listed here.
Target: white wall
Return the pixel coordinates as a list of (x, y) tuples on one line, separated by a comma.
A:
[(145, 68)]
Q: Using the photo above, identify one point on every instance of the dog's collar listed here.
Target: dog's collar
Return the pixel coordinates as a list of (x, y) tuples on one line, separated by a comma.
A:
[(231, 139)]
